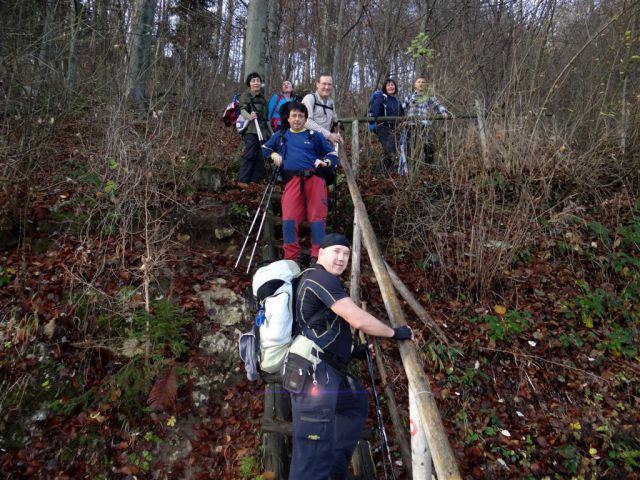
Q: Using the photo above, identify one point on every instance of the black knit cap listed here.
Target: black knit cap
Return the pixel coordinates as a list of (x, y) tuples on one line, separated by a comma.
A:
[(332, 239)]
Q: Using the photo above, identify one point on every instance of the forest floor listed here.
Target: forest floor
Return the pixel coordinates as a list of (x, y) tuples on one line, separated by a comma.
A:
[(543, 382)]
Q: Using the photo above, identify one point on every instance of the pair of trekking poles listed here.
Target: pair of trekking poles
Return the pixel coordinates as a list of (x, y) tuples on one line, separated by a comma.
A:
[(263, 207), (385, 450)]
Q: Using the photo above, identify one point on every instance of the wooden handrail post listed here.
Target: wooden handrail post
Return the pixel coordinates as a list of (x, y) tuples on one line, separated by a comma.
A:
[(356, 240)]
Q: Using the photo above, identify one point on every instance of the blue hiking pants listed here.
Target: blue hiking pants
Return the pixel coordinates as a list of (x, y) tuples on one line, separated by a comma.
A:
[(327, 425)]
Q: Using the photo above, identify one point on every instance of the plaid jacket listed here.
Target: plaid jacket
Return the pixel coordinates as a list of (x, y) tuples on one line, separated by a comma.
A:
[(420, 106)]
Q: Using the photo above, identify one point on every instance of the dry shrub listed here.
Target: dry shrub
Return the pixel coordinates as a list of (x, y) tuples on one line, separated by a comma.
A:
[(472, 214)]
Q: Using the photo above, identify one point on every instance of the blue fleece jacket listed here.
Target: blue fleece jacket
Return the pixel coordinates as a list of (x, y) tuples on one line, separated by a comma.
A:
[(300, 149)]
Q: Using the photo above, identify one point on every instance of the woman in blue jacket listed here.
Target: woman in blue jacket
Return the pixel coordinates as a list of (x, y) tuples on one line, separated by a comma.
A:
[(388, 105)]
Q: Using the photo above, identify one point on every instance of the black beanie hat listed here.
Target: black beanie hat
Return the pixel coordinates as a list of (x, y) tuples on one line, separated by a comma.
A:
[(332, 239)]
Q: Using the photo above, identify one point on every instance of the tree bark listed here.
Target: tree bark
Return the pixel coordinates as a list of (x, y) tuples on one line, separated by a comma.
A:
[(336, 73), (226, 40), (72, 63), (273, 73), (142, 27), (216, 40), (45, 45), (256, 38)]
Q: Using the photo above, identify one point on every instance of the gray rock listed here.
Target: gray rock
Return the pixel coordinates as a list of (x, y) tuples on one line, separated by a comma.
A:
[(209, 179), (223, 349), (223, 305), (222, 233)]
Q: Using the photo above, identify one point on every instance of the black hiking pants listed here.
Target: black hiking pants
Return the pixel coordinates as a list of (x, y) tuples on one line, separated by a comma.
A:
[(388, 139), (252, 165)]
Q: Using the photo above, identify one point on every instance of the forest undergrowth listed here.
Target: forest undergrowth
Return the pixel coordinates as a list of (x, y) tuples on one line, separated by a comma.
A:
[(528, 259)]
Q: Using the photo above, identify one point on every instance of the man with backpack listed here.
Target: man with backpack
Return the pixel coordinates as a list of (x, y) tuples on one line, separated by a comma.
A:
[(322, 111), (308, 163), (384, 103), (276, 102), (421, 104), (329, 407)]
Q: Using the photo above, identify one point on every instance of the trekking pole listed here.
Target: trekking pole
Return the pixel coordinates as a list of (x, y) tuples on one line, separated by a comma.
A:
[(258, 131), (255, 217), (387, 462), (270, 188), (403, 168), (335, 194)]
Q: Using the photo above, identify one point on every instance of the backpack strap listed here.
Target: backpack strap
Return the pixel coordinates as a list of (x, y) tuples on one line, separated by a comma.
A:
[(275, 106), (317, 103), (316, 315)]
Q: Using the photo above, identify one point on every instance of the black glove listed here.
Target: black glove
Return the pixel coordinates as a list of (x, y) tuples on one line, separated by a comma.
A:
[(402, 333), (360, 351)]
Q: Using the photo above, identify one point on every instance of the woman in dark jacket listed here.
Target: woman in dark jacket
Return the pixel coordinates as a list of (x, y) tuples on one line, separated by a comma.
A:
[(388, 105), (253, 105)]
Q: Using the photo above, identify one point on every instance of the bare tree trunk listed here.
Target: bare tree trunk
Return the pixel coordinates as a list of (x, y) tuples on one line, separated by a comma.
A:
[(45, 46), (256, 38), (75, 16), (325, 47), (226, 40), (624, 107), (288, 53), (216, 40), (421, 61), (273, 47), (362, 58), (337, 50), (307, 65), (141, 29)]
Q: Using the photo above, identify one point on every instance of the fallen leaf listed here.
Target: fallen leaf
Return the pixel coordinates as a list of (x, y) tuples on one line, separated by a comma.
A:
[(129, 470), (500, 309), (50, 328), (164, 391), (115, 395)]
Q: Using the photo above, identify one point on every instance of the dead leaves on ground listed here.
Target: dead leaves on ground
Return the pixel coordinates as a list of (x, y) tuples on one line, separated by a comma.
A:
[(164, 391)]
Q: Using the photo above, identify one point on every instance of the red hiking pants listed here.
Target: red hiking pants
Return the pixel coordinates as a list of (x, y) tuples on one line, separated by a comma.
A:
[(299, 203)]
